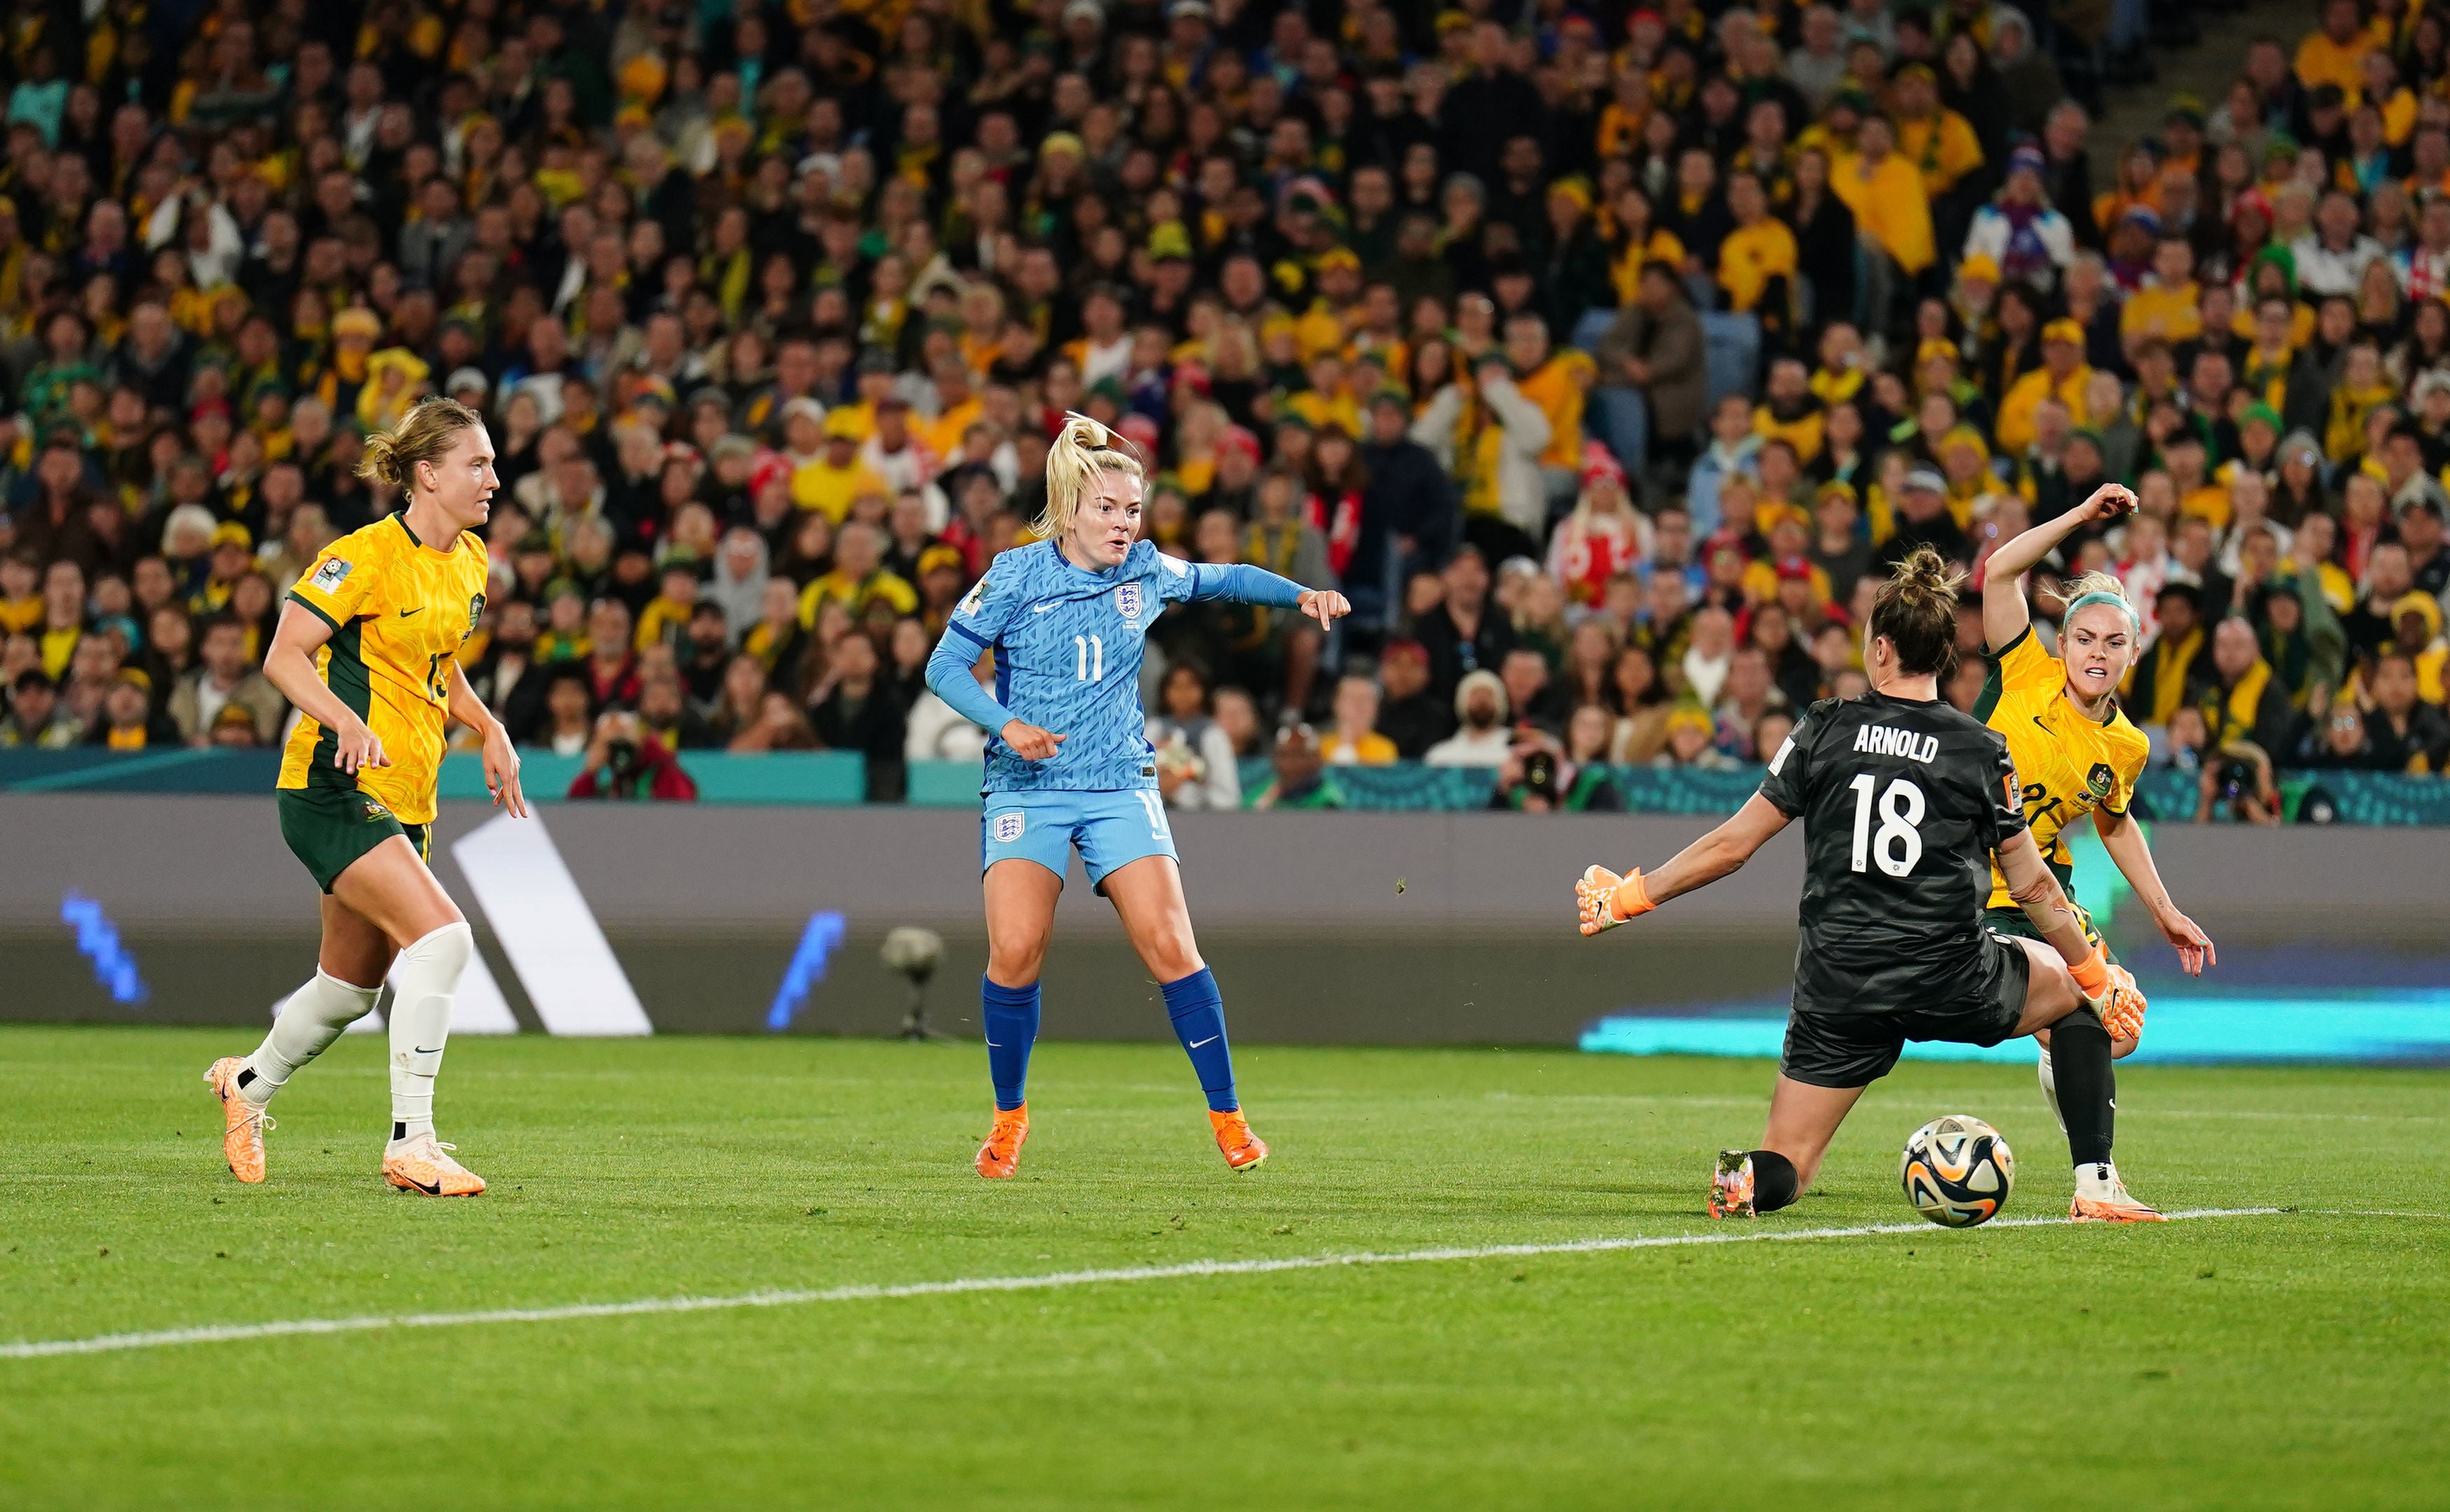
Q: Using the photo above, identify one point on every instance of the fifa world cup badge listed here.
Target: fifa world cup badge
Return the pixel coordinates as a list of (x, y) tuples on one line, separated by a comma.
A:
[(1127, 600)]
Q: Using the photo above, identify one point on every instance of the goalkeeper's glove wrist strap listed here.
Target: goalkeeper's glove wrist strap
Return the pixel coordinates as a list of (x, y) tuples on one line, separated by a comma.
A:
[(2093, 973), (1630, 900)]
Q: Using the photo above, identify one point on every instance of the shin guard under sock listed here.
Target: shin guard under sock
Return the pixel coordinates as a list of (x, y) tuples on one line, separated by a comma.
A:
[(2087, 1088), (1198, 1010), (1011, 1018)]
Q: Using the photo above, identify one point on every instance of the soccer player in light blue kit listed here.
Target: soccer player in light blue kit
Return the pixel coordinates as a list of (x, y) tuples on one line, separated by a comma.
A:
[(1069, 765)]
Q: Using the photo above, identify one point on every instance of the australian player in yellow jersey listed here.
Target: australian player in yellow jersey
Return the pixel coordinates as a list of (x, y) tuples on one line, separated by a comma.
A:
[(365, 649), (2076, 750)]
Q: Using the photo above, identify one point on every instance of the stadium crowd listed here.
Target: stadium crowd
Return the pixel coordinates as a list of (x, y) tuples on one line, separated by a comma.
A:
[(1601, 353)]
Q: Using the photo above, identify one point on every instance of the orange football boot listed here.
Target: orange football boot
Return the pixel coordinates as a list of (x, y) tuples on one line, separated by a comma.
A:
[(1000, 1156), (2109, 1203), (421, 1164), (1243, 1148), (1731, 1185), (242, 1122)]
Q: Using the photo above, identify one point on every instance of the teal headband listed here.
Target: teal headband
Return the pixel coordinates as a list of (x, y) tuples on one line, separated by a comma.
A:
[(2098, 596)]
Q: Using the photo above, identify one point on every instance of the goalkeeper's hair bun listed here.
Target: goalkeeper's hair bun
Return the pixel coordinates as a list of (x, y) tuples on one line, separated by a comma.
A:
[(1917, 610)]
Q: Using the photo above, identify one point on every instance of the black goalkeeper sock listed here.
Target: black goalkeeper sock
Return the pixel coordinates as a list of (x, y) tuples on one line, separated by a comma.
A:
[(1773, 1181), (2088, 1087)]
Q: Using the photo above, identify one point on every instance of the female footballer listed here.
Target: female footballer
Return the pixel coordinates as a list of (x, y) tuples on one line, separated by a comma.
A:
[(1905, 803), (365, 648), (1069, 766), (2073, 747)]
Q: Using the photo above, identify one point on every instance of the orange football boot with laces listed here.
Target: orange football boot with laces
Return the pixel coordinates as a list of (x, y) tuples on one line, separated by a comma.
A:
[(242, 1122), (423, 1164), (1243, 1148), (2110, 1201), (1000, 1156)]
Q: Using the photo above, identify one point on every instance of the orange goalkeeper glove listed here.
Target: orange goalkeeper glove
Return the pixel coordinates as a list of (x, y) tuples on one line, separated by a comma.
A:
[(2111, 991), (1604, 900)]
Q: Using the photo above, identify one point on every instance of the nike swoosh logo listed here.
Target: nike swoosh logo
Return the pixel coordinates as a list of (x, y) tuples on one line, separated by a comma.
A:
[(2038, 725), (1040, 608), (404, 613), (1210, 1040), (436, 1051), (992, 1045)]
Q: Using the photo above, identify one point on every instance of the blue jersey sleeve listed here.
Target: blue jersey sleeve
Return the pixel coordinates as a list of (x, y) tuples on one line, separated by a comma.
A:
[(948, 678), (1241, 583), (986, 610)]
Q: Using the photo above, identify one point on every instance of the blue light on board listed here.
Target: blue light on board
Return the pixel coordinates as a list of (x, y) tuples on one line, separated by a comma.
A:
[(807, 968), (2209, 1030), (98, 940)]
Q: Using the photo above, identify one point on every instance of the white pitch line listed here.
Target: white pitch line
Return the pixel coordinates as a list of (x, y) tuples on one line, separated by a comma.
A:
[(232, 1333)]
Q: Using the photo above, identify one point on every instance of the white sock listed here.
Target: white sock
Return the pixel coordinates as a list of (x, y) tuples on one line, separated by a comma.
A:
[(313, 1016), (2050, 1088), (423, 981), (2097, 1181)]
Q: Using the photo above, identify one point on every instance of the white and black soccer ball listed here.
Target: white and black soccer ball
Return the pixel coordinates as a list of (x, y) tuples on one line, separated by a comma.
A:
[(1958, 1172)]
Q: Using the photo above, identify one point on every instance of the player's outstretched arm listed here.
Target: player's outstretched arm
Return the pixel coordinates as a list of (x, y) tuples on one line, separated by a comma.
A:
[(1241, 583), (2005, 615), (1604, 900), (2123, 839), (289, 665), (501, 758)]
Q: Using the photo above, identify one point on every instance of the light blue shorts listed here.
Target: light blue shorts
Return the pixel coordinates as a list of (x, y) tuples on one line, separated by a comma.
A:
[(1109, 830)]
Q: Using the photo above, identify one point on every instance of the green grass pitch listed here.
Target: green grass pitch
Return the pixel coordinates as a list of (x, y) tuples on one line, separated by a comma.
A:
[(2300, 1359)]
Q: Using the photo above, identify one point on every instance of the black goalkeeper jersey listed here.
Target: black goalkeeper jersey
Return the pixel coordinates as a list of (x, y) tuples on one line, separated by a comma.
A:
[(1902, 804)]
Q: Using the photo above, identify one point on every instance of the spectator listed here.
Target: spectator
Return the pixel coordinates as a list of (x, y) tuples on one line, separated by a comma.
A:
[(566, 720), (625, 761), (1409, 513), (36, 721), (1412, 714), (850, 708), (1690, 732), (1526, 678), (1650, 375), (1195, 764), (2245, 702), (224, 679), (664, 715), (1301, 781), (1354, 740), (1461, 634), (128, 721), (2405, 732), (1480, 710)]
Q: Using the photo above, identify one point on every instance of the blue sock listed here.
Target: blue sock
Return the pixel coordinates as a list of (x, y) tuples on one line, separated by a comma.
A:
[(1198, 1010), (1012, 1027)]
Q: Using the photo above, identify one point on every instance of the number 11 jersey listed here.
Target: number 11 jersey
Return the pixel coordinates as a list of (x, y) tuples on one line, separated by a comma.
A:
[(1902, 804)]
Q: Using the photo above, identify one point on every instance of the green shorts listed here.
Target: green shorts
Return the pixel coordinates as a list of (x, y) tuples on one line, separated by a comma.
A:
[(2013, 922), (328, 828)]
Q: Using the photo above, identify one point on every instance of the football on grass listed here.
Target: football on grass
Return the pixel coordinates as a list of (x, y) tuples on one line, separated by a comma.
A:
[(1957, 1171)]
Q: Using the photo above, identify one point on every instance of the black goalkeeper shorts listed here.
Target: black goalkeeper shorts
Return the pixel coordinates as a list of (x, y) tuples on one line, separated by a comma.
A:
[(1856, 1049)]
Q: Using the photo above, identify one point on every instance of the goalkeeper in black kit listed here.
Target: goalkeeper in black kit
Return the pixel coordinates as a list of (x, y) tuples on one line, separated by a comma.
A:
[(1904, 802)]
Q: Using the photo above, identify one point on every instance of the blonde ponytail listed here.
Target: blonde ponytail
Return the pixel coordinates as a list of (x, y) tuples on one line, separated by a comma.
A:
[(429, 430), (2092, 587), (1082, 450)]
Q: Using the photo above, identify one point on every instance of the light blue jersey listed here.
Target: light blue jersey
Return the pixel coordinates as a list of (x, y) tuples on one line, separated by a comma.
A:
[(1068, 642)]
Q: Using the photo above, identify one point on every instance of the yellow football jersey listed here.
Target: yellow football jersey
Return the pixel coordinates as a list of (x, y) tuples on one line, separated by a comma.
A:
[(2070, 766), (399, 610)]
